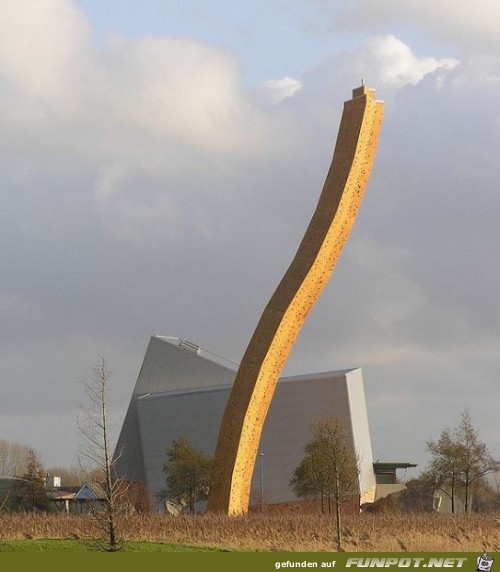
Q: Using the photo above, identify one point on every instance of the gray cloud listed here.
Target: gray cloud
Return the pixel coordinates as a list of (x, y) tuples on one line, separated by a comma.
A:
[(144, 189), (472, 27)]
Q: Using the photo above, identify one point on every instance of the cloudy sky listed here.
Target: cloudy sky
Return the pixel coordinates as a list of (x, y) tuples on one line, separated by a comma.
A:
[(160, 161)]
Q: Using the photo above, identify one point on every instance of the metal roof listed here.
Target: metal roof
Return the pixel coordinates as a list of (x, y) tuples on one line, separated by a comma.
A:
[(388, 465)]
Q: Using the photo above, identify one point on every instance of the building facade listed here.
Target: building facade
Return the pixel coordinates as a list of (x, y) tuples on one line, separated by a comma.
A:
[(182, 391)]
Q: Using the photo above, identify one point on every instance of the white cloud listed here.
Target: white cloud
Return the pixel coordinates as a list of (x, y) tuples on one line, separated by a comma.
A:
[(276, 90), (167, 88), (41, 48), (385, 62), (471, 27), (395, 65), (142, 110), (178, 89)]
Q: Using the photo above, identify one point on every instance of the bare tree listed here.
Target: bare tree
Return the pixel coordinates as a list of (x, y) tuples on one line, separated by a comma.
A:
[(444, 468), (98, 453), (460, 460), (476, 461), (138, 497), (330, 468), (12, 458)]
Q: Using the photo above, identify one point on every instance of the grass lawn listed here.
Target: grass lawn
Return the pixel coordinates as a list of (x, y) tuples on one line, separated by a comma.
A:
[(57, 545)]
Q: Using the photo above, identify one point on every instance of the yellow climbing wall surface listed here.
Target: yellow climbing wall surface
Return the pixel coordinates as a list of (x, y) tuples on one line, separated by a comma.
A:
[(290, 304)]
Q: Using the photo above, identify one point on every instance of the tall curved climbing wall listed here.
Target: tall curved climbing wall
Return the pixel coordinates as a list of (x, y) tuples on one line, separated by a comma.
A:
[(290, 304)]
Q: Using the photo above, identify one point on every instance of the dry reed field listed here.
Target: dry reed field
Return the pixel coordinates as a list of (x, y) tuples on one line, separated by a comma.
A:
[(280, 532)]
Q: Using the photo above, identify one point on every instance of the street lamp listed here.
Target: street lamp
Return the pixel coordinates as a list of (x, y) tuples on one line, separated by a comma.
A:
[(261, 467)]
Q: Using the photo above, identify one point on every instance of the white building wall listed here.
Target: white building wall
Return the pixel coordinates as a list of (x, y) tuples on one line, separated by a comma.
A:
[(360, 430)]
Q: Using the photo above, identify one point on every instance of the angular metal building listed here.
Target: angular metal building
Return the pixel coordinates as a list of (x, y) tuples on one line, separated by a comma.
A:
[(182, 390)]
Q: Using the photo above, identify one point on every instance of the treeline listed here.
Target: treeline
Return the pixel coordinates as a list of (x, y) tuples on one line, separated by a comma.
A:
[(461, 468)]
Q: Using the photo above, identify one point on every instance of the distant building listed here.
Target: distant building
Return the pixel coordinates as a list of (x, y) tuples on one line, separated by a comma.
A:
[(182, 390), (53, 482), (81, 500), (70, 499)]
